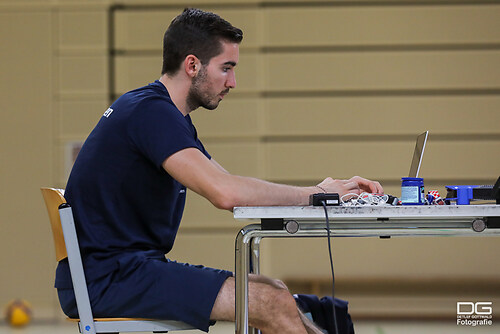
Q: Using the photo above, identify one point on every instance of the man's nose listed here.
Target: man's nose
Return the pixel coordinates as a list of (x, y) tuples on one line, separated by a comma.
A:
[(231, 80)]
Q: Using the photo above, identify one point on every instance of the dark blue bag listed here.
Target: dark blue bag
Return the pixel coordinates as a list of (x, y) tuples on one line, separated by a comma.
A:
[(321, 311)]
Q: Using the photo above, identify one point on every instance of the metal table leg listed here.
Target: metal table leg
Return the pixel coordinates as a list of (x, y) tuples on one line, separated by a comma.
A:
[(246, 250), (255, 266), (242, 268), (255, 255)]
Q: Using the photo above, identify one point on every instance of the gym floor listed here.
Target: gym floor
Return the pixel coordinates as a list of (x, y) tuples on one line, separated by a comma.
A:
[(361, 327)]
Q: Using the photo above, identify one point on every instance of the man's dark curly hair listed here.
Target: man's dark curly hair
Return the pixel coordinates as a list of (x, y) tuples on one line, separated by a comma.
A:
[(198, 33)]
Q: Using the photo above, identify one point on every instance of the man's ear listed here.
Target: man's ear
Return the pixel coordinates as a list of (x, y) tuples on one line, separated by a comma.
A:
[(192, 65)]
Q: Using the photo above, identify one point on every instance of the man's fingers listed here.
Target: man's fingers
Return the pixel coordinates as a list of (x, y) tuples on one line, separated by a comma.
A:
[(355, 185), (352, 186), (368, 185)]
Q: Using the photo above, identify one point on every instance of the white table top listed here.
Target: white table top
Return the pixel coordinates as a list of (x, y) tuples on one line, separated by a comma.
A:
[(360, 212)]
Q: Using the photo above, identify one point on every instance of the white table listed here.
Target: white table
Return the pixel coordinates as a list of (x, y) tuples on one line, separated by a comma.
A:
[(367, 221)]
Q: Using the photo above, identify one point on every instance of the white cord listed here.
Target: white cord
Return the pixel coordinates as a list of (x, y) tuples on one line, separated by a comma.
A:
[(352, 199)]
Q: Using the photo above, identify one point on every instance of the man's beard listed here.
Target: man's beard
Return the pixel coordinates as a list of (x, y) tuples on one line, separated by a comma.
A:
[(197, 95)]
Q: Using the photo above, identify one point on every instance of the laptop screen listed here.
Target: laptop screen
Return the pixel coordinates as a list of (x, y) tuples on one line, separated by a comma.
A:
[(418, 154)]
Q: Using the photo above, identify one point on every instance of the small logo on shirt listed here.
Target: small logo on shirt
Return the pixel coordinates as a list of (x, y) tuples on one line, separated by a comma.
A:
[(108, 112), (182, 191)]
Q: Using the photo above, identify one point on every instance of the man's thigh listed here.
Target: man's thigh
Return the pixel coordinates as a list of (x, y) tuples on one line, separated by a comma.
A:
[(154, 288)]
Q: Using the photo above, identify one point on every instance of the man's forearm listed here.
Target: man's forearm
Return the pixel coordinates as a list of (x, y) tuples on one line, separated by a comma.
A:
[(226, 191), (249, 191)]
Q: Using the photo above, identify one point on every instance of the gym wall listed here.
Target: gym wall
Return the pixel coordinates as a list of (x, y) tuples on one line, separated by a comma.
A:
[(323, 89)]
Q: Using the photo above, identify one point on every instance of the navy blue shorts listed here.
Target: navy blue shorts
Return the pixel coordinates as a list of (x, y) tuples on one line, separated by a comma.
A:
[(153, 288)]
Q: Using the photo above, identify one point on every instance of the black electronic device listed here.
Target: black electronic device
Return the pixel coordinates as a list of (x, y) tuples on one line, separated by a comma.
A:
[(330, 199), (393, 200), (496, 191)]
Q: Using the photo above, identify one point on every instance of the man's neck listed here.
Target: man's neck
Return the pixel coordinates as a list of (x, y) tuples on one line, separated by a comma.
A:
[(178, 90)]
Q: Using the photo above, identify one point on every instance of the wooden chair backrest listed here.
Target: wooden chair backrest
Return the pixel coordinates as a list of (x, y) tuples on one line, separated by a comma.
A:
[(53, 198)]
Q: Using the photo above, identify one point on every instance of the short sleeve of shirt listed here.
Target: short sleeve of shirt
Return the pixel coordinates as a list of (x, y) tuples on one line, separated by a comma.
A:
[(157, 130)]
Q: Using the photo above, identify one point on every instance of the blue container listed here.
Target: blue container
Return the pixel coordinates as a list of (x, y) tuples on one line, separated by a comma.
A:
[(412, 191)]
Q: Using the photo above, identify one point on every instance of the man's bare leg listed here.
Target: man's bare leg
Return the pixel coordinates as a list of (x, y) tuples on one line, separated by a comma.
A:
[(271, 308), (310, 327)]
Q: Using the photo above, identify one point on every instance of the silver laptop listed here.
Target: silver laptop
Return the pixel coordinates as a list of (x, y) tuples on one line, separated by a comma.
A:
[(418, 154)]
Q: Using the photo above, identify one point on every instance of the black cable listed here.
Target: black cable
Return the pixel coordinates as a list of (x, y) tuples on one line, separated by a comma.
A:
[(331, 266)]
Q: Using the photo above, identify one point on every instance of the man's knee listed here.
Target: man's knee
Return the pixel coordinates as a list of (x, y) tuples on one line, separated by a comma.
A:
[(285, 301), (267, 280), (271, 303)]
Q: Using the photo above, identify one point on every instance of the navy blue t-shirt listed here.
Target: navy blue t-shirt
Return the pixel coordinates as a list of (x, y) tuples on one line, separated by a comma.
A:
[(122, 198)]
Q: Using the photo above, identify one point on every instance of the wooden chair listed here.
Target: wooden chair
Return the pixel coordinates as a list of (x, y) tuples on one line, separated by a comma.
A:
[(66, 244)]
